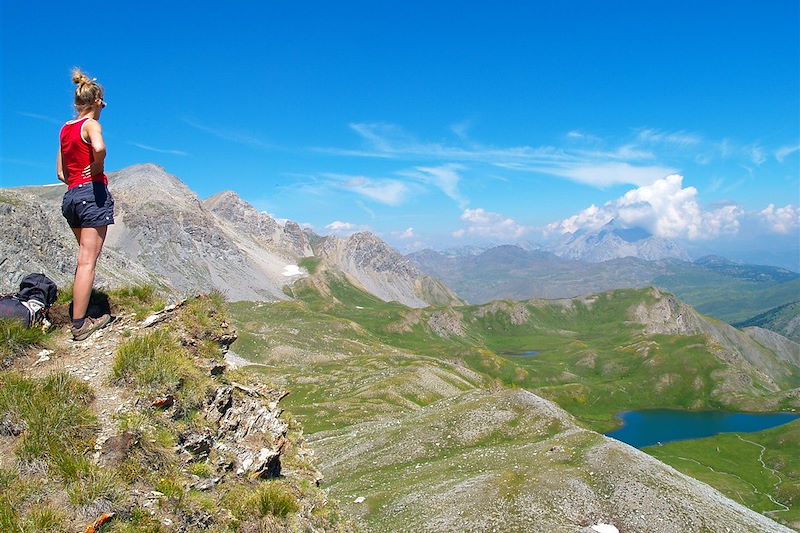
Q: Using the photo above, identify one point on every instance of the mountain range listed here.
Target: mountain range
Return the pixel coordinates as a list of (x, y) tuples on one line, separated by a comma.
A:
[(166, 236)]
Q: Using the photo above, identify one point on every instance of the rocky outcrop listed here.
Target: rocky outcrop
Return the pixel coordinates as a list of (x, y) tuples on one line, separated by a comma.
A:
[(285, 239), (747, 360), (370, 264), (249, 429)]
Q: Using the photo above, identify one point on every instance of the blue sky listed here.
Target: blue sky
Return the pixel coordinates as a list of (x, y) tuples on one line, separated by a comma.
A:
[(434, 125)]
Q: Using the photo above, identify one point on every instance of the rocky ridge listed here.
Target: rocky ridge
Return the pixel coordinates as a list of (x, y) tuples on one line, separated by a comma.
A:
[(370, 264), (238, 439), (166, 236)]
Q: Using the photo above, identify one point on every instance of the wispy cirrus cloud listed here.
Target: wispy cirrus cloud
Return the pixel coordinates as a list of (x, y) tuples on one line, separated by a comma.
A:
[(158, 150), (382, 190), (444, 177), (234, 136), (784, 151), (43, 118), (389, 141)]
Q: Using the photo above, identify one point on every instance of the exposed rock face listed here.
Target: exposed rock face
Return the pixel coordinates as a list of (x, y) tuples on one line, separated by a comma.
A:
[(165, 236), (371, 264), (249, 429), (447, 323), (286, 239), (749, 360), (36, 238)]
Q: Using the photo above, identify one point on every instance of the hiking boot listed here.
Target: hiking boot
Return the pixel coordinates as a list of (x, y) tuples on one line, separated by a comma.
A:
[(90, 325)]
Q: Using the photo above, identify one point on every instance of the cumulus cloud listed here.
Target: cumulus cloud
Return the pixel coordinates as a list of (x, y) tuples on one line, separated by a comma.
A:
[(485, 224), (782, 219), (444, 177), (665, 208), (408, 233), (344, 229)]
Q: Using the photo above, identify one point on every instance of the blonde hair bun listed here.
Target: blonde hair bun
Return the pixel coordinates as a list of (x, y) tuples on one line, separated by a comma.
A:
[(79, 78)]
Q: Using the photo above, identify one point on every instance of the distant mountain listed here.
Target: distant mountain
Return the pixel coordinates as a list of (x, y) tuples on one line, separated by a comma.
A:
[(729, 292), (166, 236), (510, 272), (370, 264), (724, 266), (784, 319), (614, 241)]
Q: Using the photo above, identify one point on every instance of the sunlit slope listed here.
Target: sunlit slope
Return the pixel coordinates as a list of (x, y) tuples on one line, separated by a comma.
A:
[(625, 349), (759, 470)]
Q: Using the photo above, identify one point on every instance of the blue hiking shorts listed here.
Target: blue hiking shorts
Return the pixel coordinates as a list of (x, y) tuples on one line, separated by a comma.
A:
[(88, 206)]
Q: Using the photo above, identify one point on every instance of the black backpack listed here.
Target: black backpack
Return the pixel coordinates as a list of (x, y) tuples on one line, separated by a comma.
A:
[(36, 294)]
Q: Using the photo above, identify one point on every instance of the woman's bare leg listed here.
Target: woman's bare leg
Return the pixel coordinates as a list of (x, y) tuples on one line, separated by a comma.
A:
[(91, 244)]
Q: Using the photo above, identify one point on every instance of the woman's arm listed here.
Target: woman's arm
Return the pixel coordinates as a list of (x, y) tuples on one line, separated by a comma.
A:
[(60, 166), (95, 133)]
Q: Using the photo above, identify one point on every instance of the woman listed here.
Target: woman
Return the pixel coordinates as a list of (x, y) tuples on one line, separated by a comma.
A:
[(87, 206)]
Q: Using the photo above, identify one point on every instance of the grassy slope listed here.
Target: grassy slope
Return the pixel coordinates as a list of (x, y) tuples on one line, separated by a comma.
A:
[(782, 319), (349, 357), (727, 298), (733, 464)]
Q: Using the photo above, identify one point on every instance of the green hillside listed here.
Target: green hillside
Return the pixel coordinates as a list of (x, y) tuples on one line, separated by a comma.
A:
[(784, 319), (759, 470), (728, 298), (370, 375)]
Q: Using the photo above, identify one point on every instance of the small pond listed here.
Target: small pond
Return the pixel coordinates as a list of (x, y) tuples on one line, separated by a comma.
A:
[(654, 426), (521, 354)]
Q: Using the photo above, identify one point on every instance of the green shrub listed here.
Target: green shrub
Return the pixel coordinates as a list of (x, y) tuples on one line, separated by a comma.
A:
[(273, 499)]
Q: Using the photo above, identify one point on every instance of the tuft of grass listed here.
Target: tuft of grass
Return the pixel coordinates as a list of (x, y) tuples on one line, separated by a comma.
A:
[(202, 470), (273, 498), (142, 300), (201, 317), (157, 363), (171, 487), (55, 413), (16, 338), (95, 484), (45, 518)]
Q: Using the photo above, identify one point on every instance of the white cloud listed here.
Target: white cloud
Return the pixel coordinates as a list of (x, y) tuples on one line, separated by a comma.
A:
[(344, 229), (485, 224), (389, 192), (678, 138), (782, 219), (784, 151), (338, 225), (665, 208), (158, 150), (444, 177), (756, 154), (607, 174), (407, 233)]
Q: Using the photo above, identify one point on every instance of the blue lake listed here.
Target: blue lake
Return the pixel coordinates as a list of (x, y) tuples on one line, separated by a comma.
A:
[(653, 426), (522, 354)]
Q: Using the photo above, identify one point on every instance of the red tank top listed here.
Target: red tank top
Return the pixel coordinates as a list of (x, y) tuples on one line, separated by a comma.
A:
[(77, 154)]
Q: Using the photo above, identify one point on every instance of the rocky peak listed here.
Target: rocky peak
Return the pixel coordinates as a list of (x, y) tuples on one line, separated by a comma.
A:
[(148, 183), (288, 239)]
